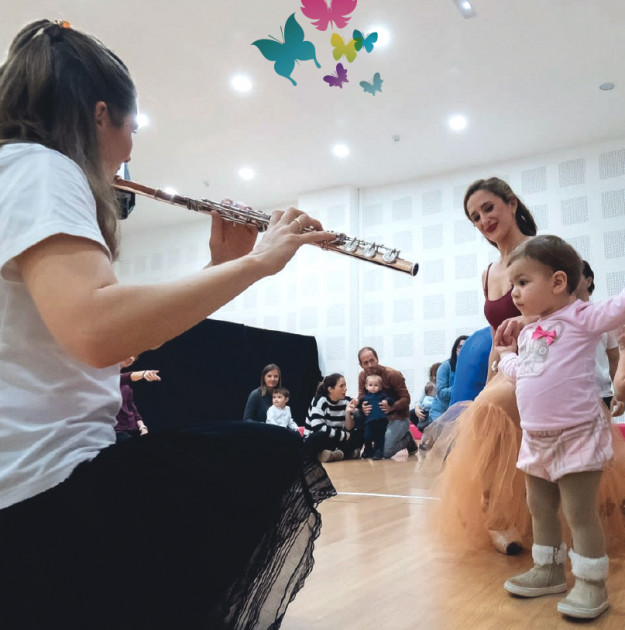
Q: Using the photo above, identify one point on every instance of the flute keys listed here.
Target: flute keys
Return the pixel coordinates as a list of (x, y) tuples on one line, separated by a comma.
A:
[(390, 256), (351, 245), (370, 250)]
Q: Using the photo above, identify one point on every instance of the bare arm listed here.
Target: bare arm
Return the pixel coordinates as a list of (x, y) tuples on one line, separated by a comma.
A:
[(613, 357), (619, 376), (349, 410), (102, 322)]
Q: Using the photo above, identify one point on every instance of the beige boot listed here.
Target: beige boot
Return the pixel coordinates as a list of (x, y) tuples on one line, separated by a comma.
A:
[(589, 597), (545, 578)]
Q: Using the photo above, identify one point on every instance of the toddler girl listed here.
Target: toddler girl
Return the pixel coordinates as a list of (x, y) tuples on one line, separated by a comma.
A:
[(566, 432)]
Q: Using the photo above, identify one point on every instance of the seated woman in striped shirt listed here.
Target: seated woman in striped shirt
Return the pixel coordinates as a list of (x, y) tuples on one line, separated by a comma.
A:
[(330, 430)]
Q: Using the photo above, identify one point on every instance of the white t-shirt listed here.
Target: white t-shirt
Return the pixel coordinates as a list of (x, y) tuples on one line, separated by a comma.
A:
[(55, 411), (608, 341)]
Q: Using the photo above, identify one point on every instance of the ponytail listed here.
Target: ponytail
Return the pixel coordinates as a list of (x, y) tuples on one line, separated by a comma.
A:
[(49, 85)]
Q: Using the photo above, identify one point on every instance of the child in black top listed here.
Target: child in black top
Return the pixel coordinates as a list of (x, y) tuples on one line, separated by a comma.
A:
[(376, 422)]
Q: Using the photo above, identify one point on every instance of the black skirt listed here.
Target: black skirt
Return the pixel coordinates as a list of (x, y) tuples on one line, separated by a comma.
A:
[(202, 528)]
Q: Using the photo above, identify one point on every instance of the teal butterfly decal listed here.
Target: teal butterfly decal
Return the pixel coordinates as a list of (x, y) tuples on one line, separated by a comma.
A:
[(374, 87), (364, 42), (285, 54)]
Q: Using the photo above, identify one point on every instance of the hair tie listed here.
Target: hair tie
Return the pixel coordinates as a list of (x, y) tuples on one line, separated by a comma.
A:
[(63, 23)]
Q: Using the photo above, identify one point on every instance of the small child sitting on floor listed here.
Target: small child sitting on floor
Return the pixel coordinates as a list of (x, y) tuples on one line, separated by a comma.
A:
[(280, 413)]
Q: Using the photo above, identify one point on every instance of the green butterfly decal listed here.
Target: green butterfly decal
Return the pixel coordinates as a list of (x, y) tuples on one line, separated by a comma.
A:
[(285, 54)]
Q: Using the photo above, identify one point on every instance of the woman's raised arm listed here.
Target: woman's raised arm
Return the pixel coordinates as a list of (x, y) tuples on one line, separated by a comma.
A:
[(101, 322)]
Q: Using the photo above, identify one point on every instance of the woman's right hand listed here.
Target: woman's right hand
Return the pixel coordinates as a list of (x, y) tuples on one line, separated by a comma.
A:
[(286, 233)]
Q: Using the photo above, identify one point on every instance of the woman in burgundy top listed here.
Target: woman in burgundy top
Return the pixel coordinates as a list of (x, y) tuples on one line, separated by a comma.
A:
[(482, 492)]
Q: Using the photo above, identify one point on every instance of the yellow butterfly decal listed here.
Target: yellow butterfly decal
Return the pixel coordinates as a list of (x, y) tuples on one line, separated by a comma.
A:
[(341, 48)]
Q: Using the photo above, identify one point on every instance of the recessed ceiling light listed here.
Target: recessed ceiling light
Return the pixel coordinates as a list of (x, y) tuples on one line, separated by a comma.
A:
[(606, 87), (241, 83), (142, 121), (384, 36), (466, 8), (340, 150), (458, 122), (246, 173)]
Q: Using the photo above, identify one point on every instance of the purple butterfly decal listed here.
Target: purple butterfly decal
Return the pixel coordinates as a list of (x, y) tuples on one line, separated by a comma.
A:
[(337, 80)]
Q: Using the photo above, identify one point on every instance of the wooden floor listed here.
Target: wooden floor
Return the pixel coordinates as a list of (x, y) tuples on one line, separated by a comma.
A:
[(377, 569)]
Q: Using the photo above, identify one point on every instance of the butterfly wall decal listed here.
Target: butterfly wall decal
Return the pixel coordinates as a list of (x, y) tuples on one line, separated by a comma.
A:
[(364, 42), (337, 80), (341, 48), (285, 54), (374, 87), (323, 13)]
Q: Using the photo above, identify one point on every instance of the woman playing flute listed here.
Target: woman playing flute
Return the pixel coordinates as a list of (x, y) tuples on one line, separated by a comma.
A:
[(217, 522)]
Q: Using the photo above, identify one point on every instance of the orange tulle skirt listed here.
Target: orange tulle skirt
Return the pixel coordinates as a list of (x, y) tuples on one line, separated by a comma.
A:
[(471, 454)]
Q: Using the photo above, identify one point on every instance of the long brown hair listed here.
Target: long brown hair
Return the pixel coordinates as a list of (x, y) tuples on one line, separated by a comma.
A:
[(49, 85), (501, 189)]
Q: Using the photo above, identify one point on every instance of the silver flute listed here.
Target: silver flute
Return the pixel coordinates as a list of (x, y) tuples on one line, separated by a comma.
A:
[(342, 244)]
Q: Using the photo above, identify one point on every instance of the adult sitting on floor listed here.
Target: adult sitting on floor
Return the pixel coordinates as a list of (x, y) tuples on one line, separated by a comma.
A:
[(330, 430), (398, 434)]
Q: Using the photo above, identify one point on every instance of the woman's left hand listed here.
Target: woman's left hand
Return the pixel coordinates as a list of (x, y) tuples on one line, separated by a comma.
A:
[(229, 240), (508, 331)]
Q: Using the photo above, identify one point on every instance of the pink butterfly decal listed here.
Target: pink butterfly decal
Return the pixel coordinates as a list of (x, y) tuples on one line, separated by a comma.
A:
[(321, 14), (337, 80)]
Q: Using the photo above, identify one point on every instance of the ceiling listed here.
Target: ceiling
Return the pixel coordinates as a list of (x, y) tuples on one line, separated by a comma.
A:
[(526, 74)]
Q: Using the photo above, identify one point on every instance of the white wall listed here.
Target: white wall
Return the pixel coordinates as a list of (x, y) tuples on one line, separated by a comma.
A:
[(578, 194)]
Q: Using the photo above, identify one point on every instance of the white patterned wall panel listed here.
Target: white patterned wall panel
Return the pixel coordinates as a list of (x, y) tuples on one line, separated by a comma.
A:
[(613, 203), (434, 306), (582, 245), (335, 315), (402, 209), (465, 266), (433, 236), (433, 271), (467, 303), (403, 310), (612, 164), (464, 232), (574, 210), (614, 243), (533, 180), (615, 282), (435, 344), (432, 202), (572, 172)]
